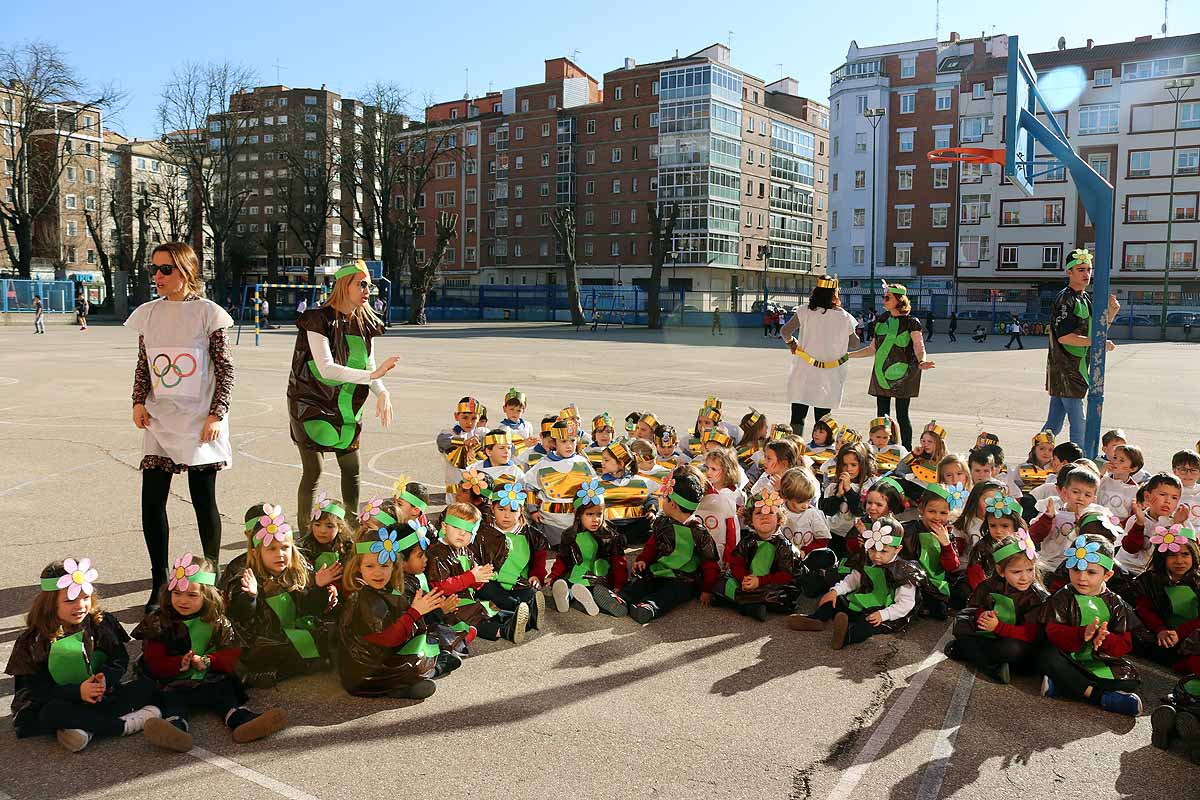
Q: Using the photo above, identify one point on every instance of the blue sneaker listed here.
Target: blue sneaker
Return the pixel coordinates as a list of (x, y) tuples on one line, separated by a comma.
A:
[(1126, 703), (1047, 686)]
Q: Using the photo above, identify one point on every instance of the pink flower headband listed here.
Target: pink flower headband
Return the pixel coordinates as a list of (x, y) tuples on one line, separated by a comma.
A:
[(79, 578)]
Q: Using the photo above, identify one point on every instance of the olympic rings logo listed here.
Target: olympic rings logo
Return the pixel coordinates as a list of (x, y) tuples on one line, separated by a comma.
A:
[(172, 368)]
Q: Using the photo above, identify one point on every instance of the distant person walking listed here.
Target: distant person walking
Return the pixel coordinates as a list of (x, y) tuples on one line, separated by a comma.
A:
[(1013, 328), (716, 322), (39, 315), (953, 328), (264, 314), (929, 320), (81, 310)]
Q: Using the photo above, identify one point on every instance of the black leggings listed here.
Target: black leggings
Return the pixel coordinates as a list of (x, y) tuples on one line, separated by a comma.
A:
[(1071, 681), (988, 653), (799, 412), (103, 718), (311, 462), (883, 407), (156, 487), (859, 629), (509, 599)]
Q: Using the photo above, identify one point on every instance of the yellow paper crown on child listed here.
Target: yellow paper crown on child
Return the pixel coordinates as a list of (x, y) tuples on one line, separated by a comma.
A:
[(778, 433), (880, 422), (603, 420), (620, 452), (935, 429), (710, 413), (561, 430), (827, 282), (649, 420), (720, 437), (848, 436), (753, 417), (493, 439), (514, 394), (570, 412), (468, 406), (712, 401), (829, 422), (1045, 437), (985, 439)]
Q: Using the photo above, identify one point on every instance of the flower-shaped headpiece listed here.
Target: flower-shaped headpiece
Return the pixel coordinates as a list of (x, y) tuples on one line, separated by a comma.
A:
[(275, 529), (1171, 539), (1023, 544), (880, 535), (996, 505), (474, 481), (325, 505), (79, 578), (511, 496), (769, 502), (1079, 257), (385, 548), (957, 495), (1082, 552), (186, 572), (370, 509), (590, 493)]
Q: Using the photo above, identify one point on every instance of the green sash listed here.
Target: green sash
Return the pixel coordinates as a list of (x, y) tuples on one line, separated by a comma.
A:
[(682, 558), (516, 565), (199, 634), (1006, 611), (760, 565), (1081, 311), (879, 596), (68, 662), (321, 431), (419, 645), (1091, 608), (469, 596), (589, 564), (931, 560), (326, 559), (295, 628), (1185, 606)]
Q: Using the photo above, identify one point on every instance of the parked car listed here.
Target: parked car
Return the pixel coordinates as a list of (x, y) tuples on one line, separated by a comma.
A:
[(1182, 318), (1123, 320)]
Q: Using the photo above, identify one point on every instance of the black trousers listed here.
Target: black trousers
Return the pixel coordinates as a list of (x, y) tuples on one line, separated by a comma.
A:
[(310, 463), (156, 487), (1071, 681), (859, 631), (818, 572), (103, 718), (664, 593), (219, 696), (799, 412), (883, 405), (509, 599), (1014, 337), (987, 653)]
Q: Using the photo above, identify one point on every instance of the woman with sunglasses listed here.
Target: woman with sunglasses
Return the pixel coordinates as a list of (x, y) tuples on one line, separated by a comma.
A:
[(181, 390), (333, 371), (899, 351)]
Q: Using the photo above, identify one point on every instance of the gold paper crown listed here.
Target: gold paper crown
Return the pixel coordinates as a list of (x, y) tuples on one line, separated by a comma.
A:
[(546, 426), (710, 413), (570, 412), (849, 436), (649, 420), (985, 439), (1045, 437), (880, 422), (778, 433), (468, 406), (830, 422), (665, 435), (620, 452), (482, 411), (827, 282), (561, 430), (752, 419), (712, 401), (604, 420), (493, 439), (935, 429), (514, 394), (720, 437)]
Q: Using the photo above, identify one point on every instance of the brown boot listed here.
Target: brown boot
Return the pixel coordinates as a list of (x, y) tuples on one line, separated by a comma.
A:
[(841, 623), (168, 734), (803, 622), (261, 726)]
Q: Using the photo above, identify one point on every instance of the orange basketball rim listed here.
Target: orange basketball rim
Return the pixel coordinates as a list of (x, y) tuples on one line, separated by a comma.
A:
[(968, 155)]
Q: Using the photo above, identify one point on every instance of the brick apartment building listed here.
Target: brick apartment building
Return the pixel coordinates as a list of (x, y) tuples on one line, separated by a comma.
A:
[(746, 161)]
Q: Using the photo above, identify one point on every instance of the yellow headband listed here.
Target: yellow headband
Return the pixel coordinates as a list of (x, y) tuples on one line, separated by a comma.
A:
[(468, 406), (827, 282), (935, 429), (1045, 437)]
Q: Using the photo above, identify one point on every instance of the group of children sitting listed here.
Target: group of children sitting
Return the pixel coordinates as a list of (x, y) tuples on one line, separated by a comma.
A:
[(1059, 567)]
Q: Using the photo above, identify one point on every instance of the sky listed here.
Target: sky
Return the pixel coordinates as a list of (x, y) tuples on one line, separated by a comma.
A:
[(349, 45)]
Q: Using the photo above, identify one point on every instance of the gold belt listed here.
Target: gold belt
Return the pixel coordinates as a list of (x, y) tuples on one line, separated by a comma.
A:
[(558, 508), (822, 364)]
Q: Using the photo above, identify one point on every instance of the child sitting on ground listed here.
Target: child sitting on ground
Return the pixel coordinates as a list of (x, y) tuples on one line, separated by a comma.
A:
[(591, 568), (1168, 601), (761, 566), (1002, 520), (544, 446), (778, 456), (883, 437), (629, 501), (517, 551), (719, 507), (927, 542), (329, 540), (497, 459), (1158, 513), (514, 420), (460, 444), (553, 482), (1185, 465), (1117, 487)]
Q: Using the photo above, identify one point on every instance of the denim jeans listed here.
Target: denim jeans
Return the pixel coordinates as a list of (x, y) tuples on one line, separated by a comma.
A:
[(1070, 408)]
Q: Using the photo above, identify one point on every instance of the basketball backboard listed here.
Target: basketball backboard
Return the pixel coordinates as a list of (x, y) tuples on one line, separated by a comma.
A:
[(1024, 100)]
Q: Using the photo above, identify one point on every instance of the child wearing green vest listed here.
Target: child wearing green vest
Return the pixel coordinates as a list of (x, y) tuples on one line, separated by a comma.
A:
[(453, 634), (1168, 600), (762, 563), (994, 632), (329, 539), (385, 646), (1089, 629), (454, 568), (1003, 520), (190, 652), (679, 561), (277, 603), (591, 567), (927, 542), (517, 550), (68, 663), (879, 595)]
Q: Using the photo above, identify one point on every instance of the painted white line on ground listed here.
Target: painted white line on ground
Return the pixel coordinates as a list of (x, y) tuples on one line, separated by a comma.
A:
[(943, 746), (52, 476), (241, 451), (887, 726), (246, 773), (7, 381), (371, 465)]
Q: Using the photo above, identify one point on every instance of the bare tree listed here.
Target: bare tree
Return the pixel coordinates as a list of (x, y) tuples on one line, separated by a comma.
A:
[(121, 233), (205, 114), (423, 271), (269, 242), (172, 198), (314, 176), (44, 108), (564, 232), (662, 234)]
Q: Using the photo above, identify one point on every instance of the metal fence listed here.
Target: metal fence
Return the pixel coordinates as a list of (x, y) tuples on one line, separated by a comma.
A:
[(16, 295)]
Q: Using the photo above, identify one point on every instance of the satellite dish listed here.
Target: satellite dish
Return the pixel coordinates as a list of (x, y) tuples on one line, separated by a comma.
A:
[(1062, 43)]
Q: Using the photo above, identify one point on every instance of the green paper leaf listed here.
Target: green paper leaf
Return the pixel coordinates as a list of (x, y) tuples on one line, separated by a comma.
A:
[(896, 371), (903, 339)]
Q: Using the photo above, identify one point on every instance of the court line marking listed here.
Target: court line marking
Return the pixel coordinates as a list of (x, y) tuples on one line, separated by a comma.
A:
[(851, 776), (254, 438), (371, 464), (52, 476), (265, 781), (943, 746)]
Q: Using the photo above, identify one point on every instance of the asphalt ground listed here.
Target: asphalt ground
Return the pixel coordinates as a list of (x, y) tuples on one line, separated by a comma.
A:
[(702, 703)]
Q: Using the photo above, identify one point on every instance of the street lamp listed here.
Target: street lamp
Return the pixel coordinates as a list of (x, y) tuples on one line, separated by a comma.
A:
[(1177, 88), (874, 116)]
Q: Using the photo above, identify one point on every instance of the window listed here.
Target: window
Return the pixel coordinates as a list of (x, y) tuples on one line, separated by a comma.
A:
[(1137, 209), (519, 132), (91, 256), (591, 126), (975, 207), (615, 216), (1008, 256), (1098, 118), (1189, 115), (633, 216), (937, 256), (543, 189), (1000, 85), (940, 217), (518, 191), (860, 216), (472, 138), (972, 129), (1185, 208), (545, 159), (1187, 161), (472, 197), (616, 155), (908, 66), (904, 217), (1100, 163), (653, 119), (72, 201), (545, 129), (942, 100), (524, 105), (616, 123), (309, 100), (89, 203), (941, 176), (589, 217), (862, 103), (443, 199), (860, 179), (1052, 212), (1139, 164), (614, 248), (589, 187), (616, 186), (72, 228), (617, 93), (1011, 215), (903, 255), (654, 87), (859, 254), (977, 91), (906, 141), (941, 138), (519, 162), (1159, 68), (1102, 77), (904, 179), (1051, 256), (973, 249), (552, 101), (908, 103), (860, 142)]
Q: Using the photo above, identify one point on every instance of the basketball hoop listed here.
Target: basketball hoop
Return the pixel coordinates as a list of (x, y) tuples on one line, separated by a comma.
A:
[(968, 155)]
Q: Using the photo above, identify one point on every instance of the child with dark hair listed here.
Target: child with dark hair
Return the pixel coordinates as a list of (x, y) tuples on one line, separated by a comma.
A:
[(460, 444), (1089, 631), (497, 461), (329, 539), (679, 560), (1002, 520), (778, 456), (969, 527), (1156, 512), (841, 499), (532, 455), (1055, 529), (1185, 465), (762, 565), (927, 542), (1117, 485), (517, 550), (994, 632), (1065, 454), (591, 568), (1167, 601)]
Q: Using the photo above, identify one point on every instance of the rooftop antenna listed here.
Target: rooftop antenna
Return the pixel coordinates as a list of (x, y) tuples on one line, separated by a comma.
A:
[(575, 55), (278, 68), (467, 84), (780, 71), (1166, 3), (937, 20), (729, 44)]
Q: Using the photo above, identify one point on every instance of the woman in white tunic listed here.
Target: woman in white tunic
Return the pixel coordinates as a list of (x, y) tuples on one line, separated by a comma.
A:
[(181, 390), (819, 337)]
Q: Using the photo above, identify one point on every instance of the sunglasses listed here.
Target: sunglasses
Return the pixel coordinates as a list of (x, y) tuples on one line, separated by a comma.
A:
[(165, 269), (364, 285)]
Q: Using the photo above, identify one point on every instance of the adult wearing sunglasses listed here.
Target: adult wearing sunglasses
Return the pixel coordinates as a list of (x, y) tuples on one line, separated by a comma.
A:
[(333, 371), (181, 390)]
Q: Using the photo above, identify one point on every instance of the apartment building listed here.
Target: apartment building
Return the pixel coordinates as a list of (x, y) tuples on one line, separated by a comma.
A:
[(140, 171), (1121, 118)]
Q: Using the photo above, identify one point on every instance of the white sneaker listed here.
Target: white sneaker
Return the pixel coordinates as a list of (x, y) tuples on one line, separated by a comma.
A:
[(583, 595), (135, 721), (562, 595), (73, 739)]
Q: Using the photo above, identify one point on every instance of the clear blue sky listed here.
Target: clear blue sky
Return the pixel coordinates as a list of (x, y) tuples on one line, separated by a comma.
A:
[(345, 45)]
